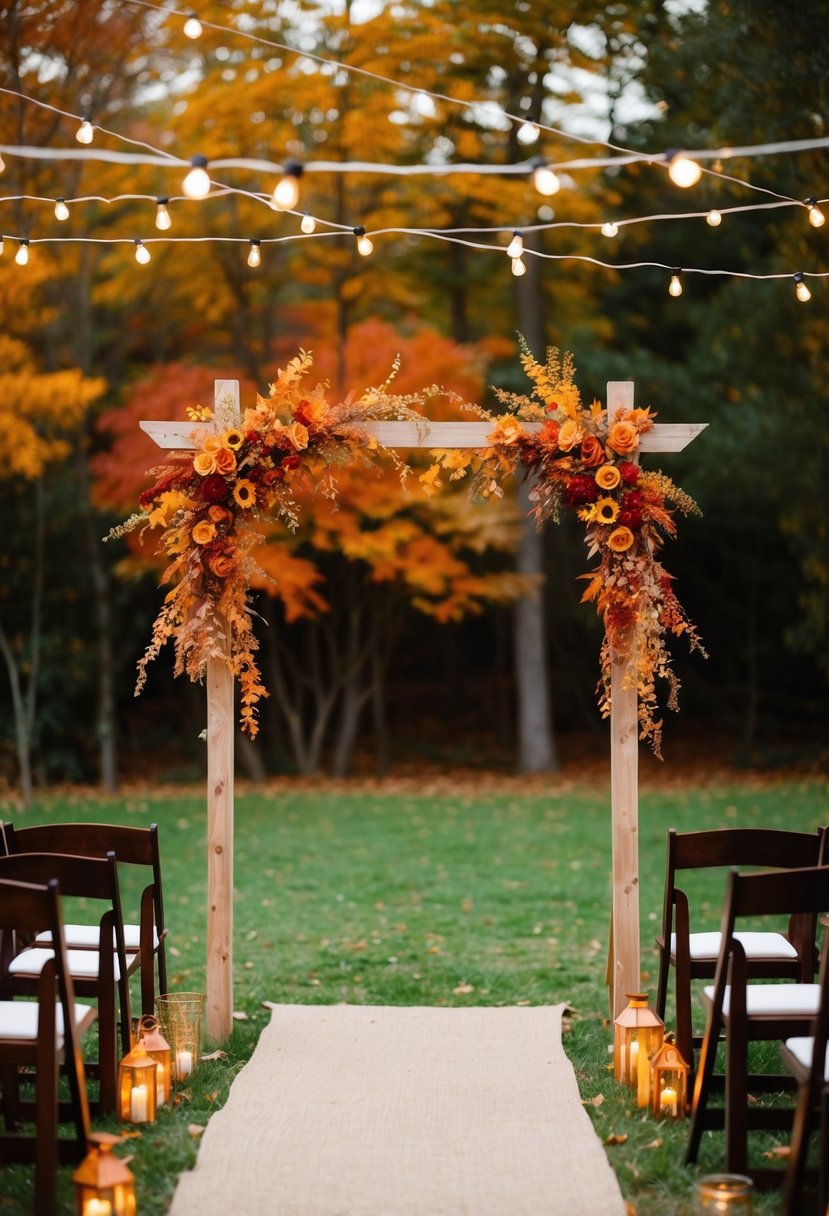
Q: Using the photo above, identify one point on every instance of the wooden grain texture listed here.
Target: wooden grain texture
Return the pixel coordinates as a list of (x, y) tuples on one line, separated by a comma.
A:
[(219, 982)]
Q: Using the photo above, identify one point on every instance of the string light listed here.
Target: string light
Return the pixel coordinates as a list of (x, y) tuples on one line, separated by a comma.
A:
[(255, 255), (516, 245), (816, 217), (286, 193), (675, 285), (22, 255), (610, 229), (142, 253), (518, 267), (364, 245), (544, 180), (193, 28), (162, 215), (197, 184), (308, 224), (713, 219), (682, 171), (2, 164), (800, 288), (85, 132), (61, 209), (2, 244)]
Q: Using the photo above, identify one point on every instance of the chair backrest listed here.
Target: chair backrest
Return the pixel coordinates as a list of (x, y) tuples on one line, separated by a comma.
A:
[(25, 909), (88, 877), (131, 845)]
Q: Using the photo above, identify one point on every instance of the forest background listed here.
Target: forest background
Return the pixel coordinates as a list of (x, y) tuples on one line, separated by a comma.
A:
[(400, 630)]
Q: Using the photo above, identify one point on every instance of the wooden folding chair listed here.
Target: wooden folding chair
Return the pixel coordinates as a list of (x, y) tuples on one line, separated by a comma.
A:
[(102, 973), (769, 955), (751, 1012), (132, 847), (807, 1059), (42, 1035)]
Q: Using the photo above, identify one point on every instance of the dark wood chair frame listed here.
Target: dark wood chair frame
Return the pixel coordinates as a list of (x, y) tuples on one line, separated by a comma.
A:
[(24, 909), (133, 847), (811, 1109), (93, 878), (725, 848), (804, 892)]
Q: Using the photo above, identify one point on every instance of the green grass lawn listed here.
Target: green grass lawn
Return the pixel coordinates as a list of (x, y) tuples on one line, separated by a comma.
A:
[(487, 894)]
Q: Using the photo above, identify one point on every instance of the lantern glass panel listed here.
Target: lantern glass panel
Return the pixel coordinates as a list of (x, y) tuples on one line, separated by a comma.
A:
[(638, 1034)]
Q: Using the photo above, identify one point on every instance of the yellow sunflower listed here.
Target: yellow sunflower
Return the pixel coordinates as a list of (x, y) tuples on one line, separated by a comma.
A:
[(606, 510), (244, 493), (233, 439)]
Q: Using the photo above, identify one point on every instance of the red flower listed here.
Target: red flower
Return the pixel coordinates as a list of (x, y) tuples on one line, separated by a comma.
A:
[(579, 489), (213, 488), (290, 463), (629, 471), (630, 509), (272, 475)]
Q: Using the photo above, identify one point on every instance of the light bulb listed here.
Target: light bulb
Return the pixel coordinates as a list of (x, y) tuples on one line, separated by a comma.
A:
[(528, 133), (675, 285), (683, 171), (545, 181), (85, 133), (309, 224), (2, 164), (286, 194), (800, 289), (2, 243), (197, 184), (713, 219), (518, 267), (610, 229), (142, 253), (516, 246), (364, 245), (255, 255), (22, 255), (816, 217), (193, 28), (162, 215), (61, 210)]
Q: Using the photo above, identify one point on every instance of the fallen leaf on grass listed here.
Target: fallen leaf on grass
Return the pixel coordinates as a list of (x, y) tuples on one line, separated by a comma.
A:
[(175, 953), (616, 1138), (657, 1143), (463, 989), (183, 1095), (630, 1208), (779, 1150), (218, 1054), (195, 1129), (239, 1015), (597, 1101)]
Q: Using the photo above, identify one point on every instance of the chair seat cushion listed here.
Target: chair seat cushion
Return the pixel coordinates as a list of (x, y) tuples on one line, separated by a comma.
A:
[(82, 964), (85, 937), (775, 1000), (756, 945), (802, 1048), (18, 1019)]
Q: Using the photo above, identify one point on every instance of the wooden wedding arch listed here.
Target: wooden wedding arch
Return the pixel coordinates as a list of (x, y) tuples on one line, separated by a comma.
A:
[(623, 973)]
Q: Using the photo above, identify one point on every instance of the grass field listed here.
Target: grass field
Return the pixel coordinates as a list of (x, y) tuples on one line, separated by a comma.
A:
[(449, 893)]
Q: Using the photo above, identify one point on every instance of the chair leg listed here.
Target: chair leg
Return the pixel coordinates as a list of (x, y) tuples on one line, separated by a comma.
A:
[(662, 986), (702, 1086), (736, 1097), (798, 1152), (46, 1149), (107, 1058), (10, 1087), (823, 1167)]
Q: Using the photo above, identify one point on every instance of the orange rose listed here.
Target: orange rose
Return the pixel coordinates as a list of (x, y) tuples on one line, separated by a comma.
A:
[(204, 532), (220, 515), (569, 435), (225, 462), (620, 539), (507, 429), (608, 477), (315, 411), (221, 565), (623, 438), (205, 463), (592, 452), (298, 435)]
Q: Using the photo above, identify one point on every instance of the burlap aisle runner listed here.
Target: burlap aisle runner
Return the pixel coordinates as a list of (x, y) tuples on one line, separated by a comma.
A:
[(349, 1110)]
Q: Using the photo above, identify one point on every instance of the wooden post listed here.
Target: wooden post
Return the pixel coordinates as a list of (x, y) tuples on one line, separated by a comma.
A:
[(624, 966), (220, 769)]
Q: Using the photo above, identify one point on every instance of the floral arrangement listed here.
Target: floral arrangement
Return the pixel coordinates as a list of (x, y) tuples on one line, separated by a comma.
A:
[(207, 502), (586, 461)]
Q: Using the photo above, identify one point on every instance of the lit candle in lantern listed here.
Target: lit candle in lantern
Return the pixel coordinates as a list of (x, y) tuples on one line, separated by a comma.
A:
[(97, 1207), (633, 1061), (138, 1104), (184, 1063), (161, 1096), (668, 1102)]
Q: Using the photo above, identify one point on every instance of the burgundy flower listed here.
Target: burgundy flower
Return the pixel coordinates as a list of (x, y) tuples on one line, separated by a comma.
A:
[(290, 463), (629, 471), (213, 488), (580, 489)]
